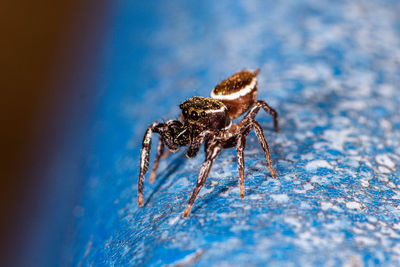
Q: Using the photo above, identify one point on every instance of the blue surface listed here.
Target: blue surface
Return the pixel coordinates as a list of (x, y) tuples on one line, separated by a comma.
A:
[(331, 69)]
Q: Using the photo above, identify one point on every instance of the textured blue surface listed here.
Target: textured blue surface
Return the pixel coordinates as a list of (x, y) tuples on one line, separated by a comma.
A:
[(331, 69)]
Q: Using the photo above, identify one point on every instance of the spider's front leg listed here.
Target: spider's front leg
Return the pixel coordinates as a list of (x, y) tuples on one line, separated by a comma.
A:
[(144, 160), (172, 134), (256, 107), (212, 151), (160, 152)]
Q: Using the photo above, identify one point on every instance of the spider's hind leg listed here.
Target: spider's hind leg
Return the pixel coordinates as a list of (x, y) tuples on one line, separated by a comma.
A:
[(245, 126), (256, 107), (261, 138)]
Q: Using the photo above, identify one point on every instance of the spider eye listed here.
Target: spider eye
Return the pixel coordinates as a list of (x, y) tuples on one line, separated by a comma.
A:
[(203, 114), (185, 112), (194, 115), (180, 106)]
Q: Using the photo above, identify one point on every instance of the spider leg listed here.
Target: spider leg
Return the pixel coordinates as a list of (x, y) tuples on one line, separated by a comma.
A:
[(240, 145), (172, 134), (144, 158), (212, 152), (256, 107), (261, 138), (160, 151), (245, 126), (165, 154)]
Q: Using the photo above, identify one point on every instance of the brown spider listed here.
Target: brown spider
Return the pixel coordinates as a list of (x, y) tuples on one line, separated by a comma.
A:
[(209, 120)]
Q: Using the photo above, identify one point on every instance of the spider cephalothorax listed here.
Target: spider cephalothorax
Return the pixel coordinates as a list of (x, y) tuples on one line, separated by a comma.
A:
[(209, 120), (205, 113)]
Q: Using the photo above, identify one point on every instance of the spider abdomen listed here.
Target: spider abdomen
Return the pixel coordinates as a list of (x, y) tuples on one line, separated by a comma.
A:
[(238, 92)]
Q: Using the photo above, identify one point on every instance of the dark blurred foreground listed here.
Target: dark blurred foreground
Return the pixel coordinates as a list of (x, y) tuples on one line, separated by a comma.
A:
[(47, 49)]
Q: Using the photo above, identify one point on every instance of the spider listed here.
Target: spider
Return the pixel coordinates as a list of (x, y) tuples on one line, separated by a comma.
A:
[(209, 120)]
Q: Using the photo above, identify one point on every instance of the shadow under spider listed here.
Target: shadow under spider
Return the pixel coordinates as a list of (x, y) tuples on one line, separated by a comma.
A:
[(227, 186), (172, 167)]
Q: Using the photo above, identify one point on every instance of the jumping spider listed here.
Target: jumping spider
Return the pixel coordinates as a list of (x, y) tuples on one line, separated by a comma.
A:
[(209, 120)]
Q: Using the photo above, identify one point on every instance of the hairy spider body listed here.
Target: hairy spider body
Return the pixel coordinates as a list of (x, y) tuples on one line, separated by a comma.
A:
[(209, 120), (238, 92)]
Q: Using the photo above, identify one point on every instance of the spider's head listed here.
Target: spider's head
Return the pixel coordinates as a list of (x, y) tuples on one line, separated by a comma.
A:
[(205, 113)]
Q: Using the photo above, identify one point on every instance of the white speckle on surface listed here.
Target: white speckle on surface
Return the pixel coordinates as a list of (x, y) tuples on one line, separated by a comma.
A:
[(353, 205), (340, 200), (369, 226), (304, 72), (386, 230), (397, 196), (300, 191), (226, 215), (354, 260), (293, 221), (125, 250), (315, 164), (205, 191), (213, 183), (326, 205), (308, 186), (396, 249), (174, 220), (365, 241), (384, 159), (318, 180), (396, 226), (395, 210), (336, 138), (384, 169), (235, 190), (383, 178), (355, 104), (336, 224), (280, 198), (305, 206), (385, 124), (306, 235), (358, 230), (164, 234), (255, 197), (364, 182)]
